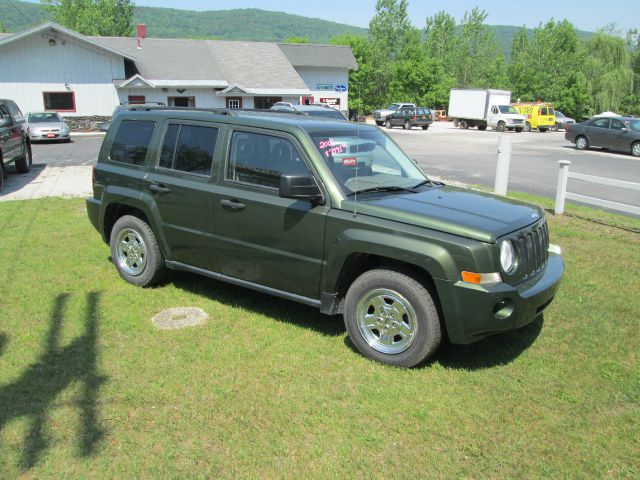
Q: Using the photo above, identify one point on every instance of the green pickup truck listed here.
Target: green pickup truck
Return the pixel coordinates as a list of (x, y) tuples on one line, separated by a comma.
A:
[(14, 139), (327, 213)]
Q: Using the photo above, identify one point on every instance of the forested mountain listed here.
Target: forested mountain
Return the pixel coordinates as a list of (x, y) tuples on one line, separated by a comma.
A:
[(238, 24)]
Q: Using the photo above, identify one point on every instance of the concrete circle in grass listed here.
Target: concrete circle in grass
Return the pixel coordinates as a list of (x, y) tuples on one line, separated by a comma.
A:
[(179, 317)]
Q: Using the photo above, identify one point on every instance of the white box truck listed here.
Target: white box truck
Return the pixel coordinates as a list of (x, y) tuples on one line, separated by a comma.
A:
[(484, 108)]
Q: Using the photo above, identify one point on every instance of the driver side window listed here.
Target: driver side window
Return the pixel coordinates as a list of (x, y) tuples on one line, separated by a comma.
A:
[(260, 159)]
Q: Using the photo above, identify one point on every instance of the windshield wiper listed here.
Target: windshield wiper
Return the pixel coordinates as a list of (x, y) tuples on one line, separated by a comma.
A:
[(428, 182), (381, 188)]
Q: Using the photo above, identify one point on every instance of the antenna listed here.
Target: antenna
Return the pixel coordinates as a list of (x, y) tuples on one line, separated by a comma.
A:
[(355, 194)]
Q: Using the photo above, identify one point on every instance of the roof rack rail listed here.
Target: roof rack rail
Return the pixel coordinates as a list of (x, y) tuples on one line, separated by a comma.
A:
[(220, 111)]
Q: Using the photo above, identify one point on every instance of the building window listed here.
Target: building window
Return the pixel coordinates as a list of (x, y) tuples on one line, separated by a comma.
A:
[(234, 102), (60, 101), (136, 99), (324, 86)]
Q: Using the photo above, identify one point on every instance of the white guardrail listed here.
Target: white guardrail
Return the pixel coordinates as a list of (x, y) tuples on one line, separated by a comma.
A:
[(562, 194)]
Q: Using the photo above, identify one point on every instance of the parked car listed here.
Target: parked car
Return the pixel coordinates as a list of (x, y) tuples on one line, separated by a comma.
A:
[(562, 121), (314, 110), (284, 210), (621, 134), (14, 140), (380, 115), (408, 117), (47, 126)]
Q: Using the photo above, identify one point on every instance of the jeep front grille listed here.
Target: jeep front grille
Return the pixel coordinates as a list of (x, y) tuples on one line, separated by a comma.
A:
[(532, 246)]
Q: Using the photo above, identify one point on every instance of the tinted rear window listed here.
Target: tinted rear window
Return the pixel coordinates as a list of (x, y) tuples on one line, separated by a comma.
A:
[(131, 142), (189, 148)]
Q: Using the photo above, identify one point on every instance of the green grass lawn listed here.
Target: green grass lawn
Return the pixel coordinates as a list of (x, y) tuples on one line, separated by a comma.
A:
[(268, 388)]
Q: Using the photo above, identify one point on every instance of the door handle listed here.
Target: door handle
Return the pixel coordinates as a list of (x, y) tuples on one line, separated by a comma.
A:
[(161, 189), (233, 204)]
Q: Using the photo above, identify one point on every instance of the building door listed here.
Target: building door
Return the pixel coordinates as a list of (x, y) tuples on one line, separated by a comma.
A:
[(306, 100), (182, 101), (265, 103)]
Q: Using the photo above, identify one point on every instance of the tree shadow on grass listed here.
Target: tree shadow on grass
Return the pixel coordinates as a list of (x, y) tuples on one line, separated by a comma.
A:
[(33, 394), (279, 309)]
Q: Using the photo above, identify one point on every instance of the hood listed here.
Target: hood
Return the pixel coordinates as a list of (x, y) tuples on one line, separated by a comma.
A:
[(459, 211), (38, 126), (515, 116)]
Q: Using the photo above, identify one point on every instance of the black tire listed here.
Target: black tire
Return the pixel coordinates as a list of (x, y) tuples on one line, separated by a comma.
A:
[(482, 127), (138, 244), (542, 129), (518, 129), (1, 175), (425, 127), (463, 124), (407, 125), (500, 127), (23, 164), (387, 123), (398, 293), (635, 149), (527, 127), (582, 143), (379, 123)]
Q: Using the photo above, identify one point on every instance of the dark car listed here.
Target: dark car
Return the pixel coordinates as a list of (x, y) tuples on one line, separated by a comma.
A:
[(621, 134), (408, 117), (562, 121), (314, 110), (14, 139), (327, 213)]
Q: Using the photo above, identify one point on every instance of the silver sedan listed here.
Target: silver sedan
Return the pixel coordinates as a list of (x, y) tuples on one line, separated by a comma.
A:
[(47, 126)]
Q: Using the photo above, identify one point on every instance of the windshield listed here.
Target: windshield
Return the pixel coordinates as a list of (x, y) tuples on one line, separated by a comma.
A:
[(394, 107), (367, 160), (633, 125), (43, 117), (507, 109)]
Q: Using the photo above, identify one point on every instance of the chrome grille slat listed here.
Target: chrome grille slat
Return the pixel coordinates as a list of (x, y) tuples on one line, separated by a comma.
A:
[(532, 246)]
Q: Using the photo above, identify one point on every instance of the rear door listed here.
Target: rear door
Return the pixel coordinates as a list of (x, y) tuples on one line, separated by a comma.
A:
[(597, 132), (260, 237), (183, 191), (10, 136)]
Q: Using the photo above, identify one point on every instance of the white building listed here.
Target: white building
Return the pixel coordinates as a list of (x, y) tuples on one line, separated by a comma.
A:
[(52, 68)]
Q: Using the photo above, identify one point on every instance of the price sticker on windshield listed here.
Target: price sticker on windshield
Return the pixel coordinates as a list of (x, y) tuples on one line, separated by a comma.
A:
[(349, 161)]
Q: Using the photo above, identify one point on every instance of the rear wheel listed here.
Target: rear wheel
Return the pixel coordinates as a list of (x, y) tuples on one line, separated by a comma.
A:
[(388, 124), (23, 164), (425, 127), (135, 252), (635, 149), (407, 125), (379, 123), (582, 143), (542, 130), (392, 318), (527, 127)]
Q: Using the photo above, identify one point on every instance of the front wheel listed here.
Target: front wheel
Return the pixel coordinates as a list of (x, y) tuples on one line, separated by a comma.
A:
[(635, 149), (527, 127), (407, 125), (23, 164), (501, 127), (582, 143), (379, 123), (392, 318), (388, 124), (463, 124), (135, 252), (425, 127)]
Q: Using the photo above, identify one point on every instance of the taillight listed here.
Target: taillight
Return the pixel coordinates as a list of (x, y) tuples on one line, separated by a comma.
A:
[(414, 118)]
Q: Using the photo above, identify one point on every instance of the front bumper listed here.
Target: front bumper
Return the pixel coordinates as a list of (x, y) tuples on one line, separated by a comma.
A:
[(41, 136), (473, 312)]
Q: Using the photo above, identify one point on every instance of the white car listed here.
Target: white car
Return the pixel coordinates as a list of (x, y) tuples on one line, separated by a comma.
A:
[(47, 126)]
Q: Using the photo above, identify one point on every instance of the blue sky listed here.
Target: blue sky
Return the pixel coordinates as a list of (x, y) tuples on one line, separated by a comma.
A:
[(585, 15)]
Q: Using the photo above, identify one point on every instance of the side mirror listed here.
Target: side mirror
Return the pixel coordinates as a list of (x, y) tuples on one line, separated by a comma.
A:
[(300, 187), (6, 122), (625, 129)]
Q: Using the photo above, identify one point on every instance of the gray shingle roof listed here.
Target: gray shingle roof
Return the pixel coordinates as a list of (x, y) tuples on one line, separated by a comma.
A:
[(307, 55)]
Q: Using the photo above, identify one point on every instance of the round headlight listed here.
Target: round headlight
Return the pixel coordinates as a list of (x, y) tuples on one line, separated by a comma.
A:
[(507, 256)]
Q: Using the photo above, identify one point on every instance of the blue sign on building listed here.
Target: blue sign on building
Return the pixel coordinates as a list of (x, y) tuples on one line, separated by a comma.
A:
[(341, 88)]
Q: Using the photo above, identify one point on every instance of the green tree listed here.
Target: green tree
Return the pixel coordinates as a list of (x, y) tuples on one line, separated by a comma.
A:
[(297, 40), (632, 103), (361, 85), (94, 17), (608, 73)]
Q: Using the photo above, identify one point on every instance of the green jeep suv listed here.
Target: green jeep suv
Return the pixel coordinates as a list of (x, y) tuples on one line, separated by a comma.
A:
[(327, 213)]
